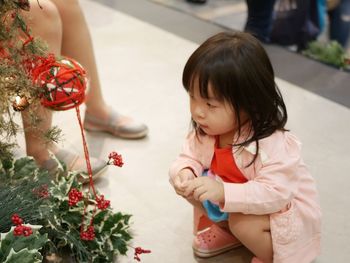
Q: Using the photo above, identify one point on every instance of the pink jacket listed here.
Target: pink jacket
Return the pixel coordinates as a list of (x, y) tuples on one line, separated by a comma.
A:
[(277, 181)]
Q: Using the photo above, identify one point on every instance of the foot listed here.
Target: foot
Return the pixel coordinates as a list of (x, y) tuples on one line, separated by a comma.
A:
[(115, 124), (214, 241)]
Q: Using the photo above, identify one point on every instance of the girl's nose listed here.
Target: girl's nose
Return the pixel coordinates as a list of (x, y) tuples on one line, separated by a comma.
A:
[(198, 112)]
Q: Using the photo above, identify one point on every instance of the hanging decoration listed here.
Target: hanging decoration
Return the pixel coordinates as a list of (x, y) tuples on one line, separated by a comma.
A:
[(20, 103), (62, 83)]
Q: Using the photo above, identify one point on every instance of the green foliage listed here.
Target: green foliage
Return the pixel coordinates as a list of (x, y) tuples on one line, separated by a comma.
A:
[(22, 249), (111, 229), (330, 53), (60, 223), (20, 184)]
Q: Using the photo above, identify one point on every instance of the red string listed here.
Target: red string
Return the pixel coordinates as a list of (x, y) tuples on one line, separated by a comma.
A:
[(88, 165), (42, 72), (86, 153)]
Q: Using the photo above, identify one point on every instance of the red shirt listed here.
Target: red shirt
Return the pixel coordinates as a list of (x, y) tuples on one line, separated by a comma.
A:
[(224, 165)]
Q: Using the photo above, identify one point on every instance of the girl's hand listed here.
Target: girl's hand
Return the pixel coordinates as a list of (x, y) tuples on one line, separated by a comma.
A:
[(181, 178), (205, 188)]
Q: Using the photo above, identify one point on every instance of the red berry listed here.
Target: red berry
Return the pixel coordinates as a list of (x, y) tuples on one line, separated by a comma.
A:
[(89, 234), (18, 231), (16, 219), (74, 197), (117, 159), (27, 231), (102, 203)]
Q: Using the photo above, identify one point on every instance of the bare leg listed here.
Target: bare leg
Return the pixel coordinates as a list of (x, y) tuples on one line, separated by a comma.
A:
[(254, 233), (46, 23), (35, 144), (77, 44)]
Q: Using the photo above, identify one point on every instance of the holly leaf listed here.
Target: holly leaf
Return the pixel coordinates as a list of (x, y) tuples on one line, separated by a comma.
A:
[(24, 167), (24, 256), (100, 216), (17, 243), (72, 218), (119, 244)]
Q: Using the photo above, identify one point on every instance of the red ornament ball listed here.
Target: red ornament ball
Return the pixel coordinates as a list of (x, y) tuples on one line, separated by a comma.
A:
[(63, 83)]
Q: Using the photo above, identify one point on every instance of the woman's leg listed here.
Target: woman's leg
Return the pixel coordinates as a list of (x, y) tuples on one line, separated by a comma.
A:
[(254, 233), (41, 22), (259, 19), (339, 23), (76, 43)]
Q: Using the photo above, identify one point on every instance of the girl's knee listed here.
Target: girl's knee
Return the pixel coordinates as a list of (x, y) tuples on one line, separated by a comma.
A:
[(236, 222), (239, 222)]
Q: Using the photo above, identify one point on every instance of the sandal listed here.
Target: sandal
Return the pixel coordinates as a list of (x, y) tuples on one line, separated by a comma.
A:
[(213, 241), (75, 163), (117, 125)]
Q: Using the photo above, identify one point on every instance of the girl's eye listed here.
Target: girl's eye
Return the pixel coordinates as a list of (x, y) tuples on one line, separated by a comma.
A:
[(210, 105)]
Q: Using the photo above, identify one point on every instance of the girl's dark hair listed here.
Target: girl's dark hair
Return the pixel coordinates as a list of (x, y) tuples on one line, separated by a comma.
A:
[(240, 72)]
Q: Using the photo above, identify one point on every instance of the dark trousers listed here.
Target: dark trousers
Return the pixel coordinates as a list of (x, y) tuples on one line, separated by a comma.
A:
[(339, 23), (259, 19)]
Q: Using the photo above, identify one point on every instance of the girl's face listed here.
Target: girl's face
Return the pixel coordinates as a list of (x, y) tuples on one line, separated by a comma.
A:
[(213, 116)]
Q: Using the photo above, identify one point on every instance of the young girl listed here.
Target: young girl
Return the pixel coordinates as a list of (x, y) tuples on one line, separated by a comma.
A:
[(239, 166)]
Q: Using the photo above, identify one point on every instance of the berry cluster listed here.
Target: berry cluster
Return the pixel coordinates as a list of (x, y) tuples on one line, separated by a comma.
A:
[(139, 251), (115, 159), (89, 234), (20, 229), (74, 196), (102, 203)]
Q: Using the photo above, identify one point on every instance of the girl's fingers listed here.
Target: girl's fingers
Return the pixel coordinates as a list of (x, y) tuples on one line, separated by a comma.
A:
[(189, 187), (179, 192), (202, 197), (178, 182), (199, 191)]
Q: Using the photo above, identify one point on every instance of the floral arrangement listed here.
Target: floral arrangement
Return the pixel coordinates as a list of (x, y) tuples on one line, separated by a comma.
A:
[(41, 216)]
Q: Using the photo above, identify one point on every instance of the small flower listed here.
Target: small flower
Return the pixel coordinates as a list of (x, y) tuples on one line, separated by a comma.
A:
[(102, 203), (139, 251), (115, 159), (74, 196)]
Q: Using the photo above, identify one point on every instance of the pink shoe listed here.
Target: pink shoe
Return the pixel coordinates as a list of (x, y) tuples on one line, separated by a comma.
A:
[(213, 241), (256, 260)]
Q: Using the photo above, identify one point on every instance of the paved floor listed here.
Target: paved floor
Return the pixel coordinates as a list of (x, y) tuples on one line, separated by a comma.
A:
[(140, 64)]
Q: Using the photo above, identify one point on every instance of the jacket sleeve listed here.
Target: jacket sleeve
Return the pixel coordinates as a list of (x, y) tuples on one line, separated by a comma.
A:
[(274, 184), (196, 154)]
